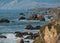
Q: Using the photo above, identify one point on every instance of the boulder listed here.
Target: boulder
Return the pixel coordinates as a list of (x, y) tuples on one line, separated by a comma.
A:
[(33, 17), (37, 17), (22, 14), (19, 34), (22, 18), (37, 27), (2, 36), (20, 40), (40, 17), (29, 27), (3, 20), (25, 33)]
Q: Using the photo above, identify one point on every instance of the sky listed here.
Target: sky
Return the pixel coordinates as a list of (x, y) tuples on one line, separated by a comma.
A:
[(26, 4)]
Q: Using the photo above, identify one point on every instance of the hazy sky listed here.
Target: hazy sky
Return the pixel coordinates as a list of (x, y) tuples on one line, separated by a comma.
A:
[(24, 4)]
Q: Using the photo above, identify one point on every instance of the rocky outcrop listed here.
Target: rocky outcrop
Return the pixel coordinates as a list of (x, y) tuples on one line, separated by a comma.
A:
[(55, 12), (32, 36), (1, 36), (3, 20), (22, 18), (19, 34), (20, 40), (50, 33), (30, 27), (37, 17), (40, 17), (25, 33)]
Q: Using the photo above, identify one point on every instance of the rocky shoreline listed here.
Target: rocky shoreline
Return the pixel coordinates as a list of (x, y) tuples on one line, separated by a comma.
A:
[(22, 36), (41, 36)]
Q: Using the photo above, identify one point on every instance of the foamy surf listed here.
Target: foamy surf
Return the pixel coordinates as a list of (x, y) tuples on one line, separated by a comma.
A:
[(11, 38)]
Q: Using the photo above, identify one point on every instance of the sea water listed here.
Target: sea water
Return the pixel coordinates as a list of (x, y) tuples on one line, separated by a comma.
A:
[(17, 25)]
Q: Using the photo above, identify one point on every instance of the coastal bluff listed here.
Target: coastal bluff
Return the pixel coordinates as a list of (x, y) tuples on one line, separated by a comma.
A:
[(50, 33)]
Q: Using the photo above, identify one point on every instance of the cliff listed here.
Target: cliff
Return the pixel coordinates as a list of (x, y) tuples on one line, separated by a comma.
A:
[(50, 33)]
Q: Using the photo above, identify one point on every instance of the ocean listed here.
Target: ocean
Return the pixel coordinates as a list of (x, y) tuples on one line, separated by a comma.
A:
[(8, 29)]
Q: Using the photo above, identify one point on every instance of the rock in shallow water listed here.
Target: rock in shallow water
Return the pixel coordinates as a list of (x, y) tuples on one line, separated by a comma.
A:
[(29, 27), (32, 36), (1, 36), (25, 33), (3, 20), (19, 34), (37, 17), (22, 18)]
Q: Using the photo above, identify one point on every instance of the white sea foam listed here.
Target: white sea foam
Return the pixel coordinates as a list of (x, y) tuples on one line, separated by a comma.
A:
[(10, 38)]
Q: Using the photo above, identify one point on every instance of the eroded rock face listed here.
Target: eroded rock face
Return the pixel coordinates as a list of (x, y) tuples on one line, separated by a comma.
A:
[(3, 20), (49, 35)]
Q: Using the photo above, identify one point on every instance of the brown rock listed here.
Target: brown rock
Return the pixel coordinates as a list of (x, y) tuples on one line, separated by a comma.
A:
[(40, 17), (20, 40), (29, 27), (37, 17)]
